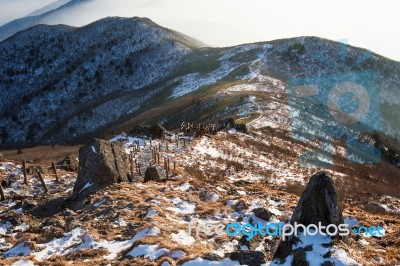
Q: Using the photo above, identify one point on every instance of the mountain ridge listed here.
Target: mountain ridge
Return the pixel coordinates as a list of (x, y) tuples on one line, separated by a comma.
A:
[(26, 22), (43, 63)]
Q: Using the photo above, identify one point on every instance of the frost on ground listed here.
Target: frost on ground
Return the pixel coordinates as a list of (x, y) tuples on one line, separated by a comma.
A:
[(320, 252), (226, 178)]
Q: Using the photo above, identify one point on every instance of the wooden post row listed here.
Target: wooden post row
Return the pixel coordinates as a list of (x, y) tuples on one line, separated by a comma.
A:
[(131, 165), (3, 197), (42, 181), (166, 167), (53, 166), (24, 172)]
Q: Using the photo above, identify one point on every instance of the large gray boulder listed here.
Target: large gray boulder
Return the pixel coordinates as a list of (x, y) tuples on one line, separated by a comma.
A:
[(101, 163), (318, 203)]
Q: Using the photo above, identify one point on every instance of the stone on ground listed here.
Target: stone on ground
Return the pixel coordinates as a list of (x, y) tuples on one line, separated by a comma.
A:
[(101, 163), (318, 203), (152, 174)]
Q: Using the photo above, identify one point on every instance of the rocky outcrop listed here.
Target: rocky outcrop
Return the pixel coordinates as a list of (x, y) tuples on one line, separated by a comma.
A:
[(69, 163), (154, 131), (152, 174), (319, 203), (101, 163)]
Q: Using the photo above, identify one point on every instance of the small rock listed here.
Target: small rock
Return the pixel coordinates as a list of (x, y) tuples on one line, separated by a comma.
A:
[(152, 174), (212, 256), (129, 206), (379, 259), (240, 206), (271, 245), (253, 243), (374, 207), (27, 204), (328, 263), (299, 257), (327, 245), (262, 213), (209, 196), (308, 248), (69, 163), (103, 232), (67, 212), (248, 257), (106, 211), (328, 254)]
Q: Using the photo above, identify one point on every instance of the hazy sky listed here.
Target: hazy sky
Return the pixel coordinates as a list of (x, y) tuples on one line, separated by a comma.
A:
[(370, 24)]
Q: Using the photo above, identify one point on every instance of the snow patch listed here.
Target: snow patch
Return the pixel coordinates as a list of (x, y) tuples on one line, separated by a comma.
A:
[(23, 262), (88, 184), (204, 262), (152, 252), (20, 249), (183, 238)]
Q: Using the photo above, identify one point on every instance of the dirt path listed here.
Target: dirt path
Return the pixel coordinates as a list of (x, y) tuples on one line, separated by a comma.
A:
[(42, 154)]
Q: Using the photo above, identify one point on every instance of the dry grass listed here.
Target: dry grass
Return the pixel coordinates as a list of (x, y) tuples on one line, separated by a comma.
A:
[(356, 185), (295, 188)]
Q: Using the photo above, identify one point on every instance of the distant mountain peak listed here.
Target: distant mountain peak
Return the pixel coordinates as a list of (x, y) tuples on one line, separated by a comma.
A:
[(48, 8), (37, 17)]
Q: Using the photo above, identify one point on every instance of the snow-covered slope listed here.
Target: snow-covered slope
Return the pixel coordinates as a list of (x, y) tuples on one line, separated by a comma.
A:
[(64, 81), (63, 84)]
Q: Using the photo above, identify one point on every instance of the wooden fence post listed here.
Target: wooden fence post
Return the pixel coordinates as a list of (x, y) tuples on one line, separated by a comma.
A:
[(53, 166), (42, 181), (24, 172), (131, 165), (166, 167), (3, 198)]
